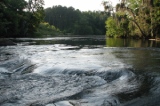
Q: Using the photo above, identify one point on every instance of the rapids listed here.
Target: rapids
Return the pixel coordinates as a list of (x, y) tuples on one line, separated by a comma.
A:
[(70, 71)]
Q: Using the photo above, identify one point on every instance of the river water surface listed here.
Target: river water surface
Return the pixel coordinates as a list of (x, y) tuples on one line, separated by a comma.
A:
[(80, 71)]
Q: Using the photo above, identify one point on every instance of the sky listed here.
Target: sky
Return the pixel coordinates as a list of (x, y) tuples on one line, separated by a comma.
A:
[(82, 5)]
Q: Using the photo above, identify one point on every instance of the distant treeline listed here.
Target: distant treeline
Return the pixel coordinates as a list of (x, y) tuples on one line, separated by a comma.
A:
[(71, 21), (21, 18), (130, 18)]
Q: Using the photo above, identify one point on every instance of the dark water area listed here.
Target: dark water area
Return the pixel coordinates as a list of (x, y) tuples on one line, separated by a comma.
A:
[(80, 71), (117, 42)]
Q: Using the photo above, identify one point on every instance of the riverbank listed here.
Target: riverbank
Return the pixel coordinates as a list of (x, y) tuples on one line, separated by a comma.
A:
[(157, 39), (6, 42)]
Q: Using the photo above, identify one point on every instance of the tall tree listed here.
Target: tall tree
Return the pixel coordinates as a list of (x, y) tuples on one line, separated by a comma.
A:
[(76, 22), (19, 18), (11, 16), (142, 17), (35, 12), (141, 13)]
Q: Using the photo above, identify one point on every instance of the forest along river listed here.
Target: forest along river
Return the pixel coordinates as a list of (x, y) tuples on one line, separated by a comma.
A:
[(80, 71)]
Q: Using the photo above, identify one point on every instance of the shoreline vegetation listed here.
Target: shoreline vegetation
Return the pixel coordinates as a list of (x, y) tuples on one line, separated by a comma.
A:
[(10, 41), (47, 30), (135, 19), (25, 19)]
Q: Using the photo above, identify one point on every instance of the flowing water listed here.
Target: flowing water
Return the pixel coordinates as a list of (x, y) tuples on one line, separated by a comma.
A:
[(80, 71)]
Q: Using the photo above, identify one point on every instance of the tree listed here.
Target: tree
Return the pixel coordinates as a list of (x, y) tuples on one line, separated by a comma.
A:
[(111, 27), (11, 17), (62, 17), (19, 18), (138, 17), (76, 22), (142, 14), (35, 14), (108, 8), (82, 27)]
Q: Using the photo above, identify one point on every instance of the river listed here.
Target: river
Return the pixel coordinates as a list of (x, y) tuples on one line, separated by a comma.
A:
[(80, 71)]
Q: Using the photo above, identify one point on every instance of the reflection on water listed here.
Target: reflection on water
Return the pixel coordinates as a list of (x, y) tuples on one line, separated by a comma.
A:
[(144, 59), (80, 71), (74, 41), (89, 40), (117, 42)]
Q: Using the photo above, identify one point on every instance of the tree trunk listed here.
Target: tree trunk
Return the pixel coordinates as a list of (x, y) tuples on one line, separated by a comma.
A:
[(134, 20), (143, 34)]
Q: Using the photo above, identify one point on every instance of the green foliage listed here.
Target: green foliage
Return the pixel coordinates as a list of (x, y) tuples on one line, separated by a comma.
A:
[(117, 27), (136, 18), (35, 15), (45, 29), (62, 17), (11, 17), (19, 18), (76, 22), (111, 27)]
